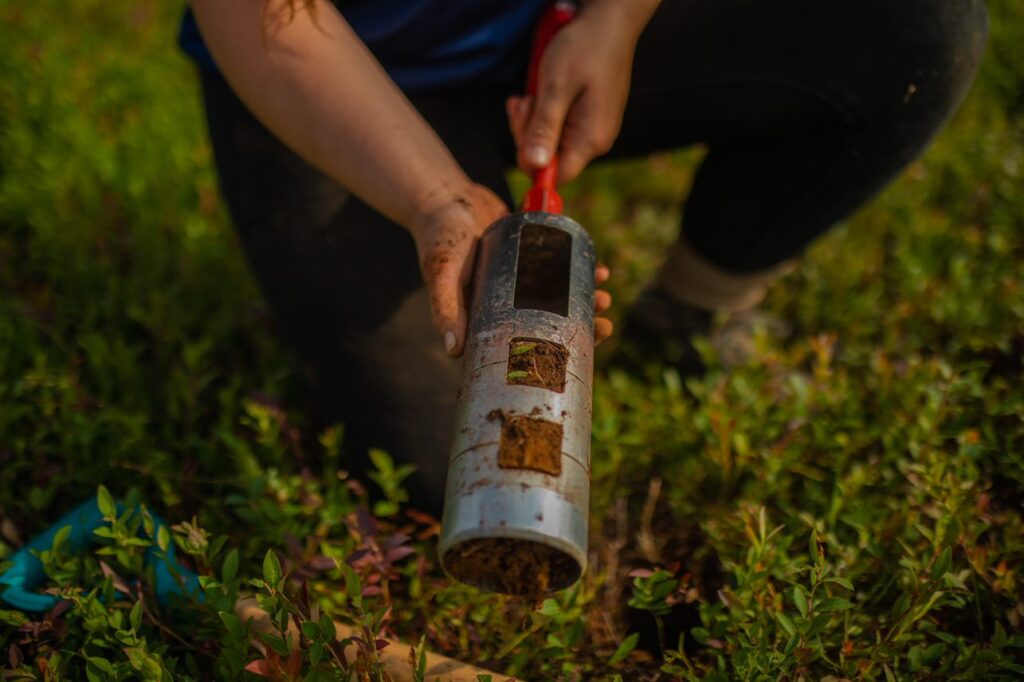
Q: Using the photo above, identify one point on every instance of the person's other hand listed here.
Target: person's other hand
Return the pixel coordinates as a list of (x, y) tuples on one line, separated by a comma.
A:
[(582, 87), (602, 302), (446, 231)]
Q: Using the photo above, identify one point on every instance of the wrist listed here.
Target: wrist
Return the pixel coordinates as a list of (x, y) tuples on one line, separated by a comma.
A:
[(629, 17), (464, 210), (440, 197)]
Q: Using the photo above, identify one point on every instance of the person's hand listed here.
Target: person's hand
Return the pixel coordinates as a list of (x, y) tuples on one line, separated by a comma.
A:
[(446, 231), (582, 87)]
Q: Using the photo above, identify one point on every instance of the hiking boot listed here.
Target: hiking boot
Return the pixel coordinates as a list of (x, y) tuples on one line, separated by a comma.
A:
[(660, 329)]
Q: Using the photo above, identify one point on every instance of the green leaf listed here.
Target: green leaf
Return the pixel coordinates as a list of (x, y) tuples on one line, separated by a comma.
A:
[(353, 587), (833, 604), (163, 538), (135, 616), (516, 374), (311, 630), (914, 657), (382, 461), (105, 502), (271, 568), (800, 599), (786, 622), (216, 546), (625, 648), (229, 569), (933, 653), (419, 654), (818, 625), (522, 348), (232, 624), (61, 538), (791, 645), (843, 582), (550, 608), (15, 618), (327, 626), (942, 563), (316, 652), (102, 664)]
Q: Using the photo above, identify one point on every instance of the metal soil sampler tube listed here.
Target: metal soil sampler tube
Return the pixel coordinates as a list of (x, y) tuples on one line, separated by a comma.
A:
[(517, 497)]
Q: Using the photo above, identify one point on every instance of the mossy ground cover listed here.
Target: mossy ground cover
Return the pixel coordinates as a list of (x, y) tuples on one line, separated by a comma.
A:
[(842, 501)]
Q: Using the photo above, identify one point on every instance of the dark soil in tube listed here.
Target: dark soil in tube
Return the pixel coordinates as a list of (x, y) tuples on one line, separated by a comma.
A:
[(512, 566), (535, 362)]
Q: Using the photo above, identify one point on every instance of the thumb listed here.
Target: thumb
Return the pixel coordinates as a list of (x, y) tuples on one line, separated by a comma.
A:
[(446, 273), (544, 129)]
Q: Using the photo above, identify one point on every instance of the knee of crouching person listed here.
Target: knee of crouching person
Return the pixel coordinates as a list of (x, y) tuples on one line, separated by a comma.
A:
[(963, 40), (925, 56), (952, 47)]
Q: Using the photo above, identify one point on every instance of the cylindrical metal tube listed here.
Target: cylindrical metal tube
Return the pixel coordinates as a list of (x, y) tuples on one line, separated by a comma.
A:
[(517, 497)]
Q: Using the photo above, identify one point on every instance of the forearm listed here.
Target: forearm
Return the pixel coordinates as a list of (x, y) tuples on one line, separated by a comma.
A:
[(314, 84)]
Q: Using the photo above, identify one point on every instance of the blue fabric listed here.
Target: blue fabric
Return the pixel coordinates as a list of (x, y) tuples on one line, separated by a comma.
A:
[(19, 582), (430, 44)]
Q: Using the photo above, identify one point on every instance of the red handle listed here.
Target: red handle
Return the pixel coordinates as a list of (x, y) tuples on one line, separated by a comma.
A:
[(543, 196)]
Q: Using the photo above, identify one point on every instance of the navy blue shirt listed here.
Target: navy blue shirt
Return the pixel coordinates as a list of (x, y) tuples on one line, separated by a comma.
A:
[(430, 44)]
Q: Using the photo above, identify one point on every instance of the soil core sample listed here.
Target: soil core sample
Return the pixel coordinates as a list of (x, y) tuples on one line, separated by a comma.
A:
[(529, 443), (535, 362), (512, 566)]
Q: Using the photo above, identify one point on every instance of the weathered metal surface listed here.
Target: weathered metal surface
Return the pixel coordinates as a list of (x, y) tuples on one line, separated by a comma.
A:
[(483, 500)]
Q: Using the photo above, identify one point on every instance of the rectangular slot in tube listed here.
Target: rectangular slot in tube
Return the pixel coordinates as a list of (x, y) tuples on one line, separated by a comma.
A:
[(543, 270)]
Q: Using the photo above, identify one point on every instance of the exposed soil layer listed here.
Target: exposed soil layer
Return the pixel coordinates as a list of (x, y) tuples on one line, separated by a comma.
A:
[(543, 269), (529, 443), (535, 362), (512, 566)]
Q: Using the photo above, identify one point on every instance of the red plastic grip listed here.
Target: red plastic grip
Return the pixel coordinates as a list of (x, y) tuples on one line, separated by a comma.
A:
[(543, 195)]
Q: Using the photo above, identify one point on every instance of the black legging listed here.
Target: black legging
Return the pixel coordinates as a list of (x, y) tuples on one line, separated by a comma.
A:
[(807, 109)]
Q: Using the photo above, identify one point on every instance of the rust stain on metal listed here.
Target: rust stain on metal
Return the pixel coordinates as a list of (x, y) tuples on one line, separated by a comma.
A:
[(479, 483)]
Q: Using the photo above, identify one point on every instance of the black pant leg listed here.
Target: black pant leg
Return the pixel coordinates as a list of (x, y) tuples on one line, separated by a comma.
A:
[(807, 108), (343, 282)]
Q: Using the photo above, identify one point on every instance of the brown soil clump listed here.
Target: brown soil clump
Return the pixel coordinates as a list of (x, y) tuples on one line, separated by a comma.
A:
[(512, 566), (529, 443), (534, 362)]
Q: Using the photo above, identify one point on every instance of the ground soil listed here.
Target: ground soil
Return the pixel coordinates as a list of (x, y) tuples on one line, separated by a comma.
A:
[(529, 443), (512, 566), (535, 362)]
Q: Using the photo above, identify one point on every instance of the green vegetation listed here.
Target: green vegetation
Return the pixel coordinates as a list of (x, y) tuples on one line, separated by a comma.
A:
[(842, 502)]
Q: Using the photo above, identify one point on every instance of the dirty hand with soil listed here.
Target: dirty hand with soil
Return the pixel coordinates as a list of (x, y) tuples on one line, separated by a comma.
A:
[(446, 232)]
